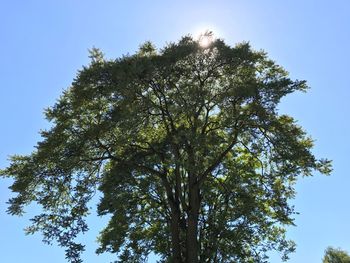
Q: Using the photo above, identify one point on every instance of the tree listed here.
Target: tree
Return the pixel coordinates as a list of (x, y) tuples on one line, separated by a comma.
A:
[(336, 255), (185, 145)]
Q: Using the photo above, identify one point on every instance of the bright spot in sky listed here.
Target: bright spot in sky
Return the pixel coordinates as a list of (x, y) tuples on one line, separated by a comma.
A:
[(205, 40), (204, 36)]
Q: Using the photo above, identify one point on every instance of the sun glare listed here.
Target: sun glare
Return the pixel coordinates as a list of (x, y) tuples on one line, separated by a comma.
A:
[(204, 37), (205, 40)]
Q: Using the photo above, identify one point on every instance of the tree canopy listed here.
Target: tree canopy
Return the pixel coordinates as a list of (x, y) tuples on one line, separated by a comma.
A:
[(336, 255), (186, 148)]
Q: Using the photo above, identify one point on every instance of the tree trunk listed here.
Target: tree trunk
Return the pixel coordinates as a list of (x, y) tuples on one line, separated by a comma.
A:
[(175, 236), (192, 224), (174, 222)]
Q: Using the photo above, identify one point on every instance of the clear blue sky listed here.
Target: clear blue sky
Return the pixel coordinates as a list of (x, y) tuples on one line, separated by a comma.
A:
[(44, 43)]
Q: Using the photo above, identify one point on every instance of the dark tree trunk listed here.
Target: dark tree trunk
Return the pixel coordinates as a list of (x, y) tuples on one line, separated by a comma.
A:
[(176, 256), (175, 237), (192, 224)]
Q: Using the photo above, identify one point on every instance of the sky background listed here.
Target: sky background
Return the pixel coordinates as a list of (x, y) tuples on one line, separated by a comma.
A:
[(44, 43)]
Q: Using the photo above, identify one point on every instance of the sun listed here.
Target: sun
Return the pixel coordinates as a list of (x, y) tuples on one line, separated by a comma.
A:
[(204, 38)]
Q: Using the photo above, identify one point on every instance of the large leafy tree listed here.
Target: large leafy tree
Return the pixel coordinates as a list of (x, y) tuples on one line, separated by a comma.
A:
[(336, 255), (185, 145)]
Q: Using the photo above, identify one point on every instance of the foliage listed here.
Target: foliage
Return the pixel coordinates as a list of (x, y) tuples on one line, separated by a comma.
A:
[(336, 255), (186, 147)]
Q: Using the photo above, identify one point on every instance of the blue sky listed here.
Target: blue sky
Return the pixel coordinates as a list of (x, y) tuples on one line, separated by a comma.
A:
[(44, 43)]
